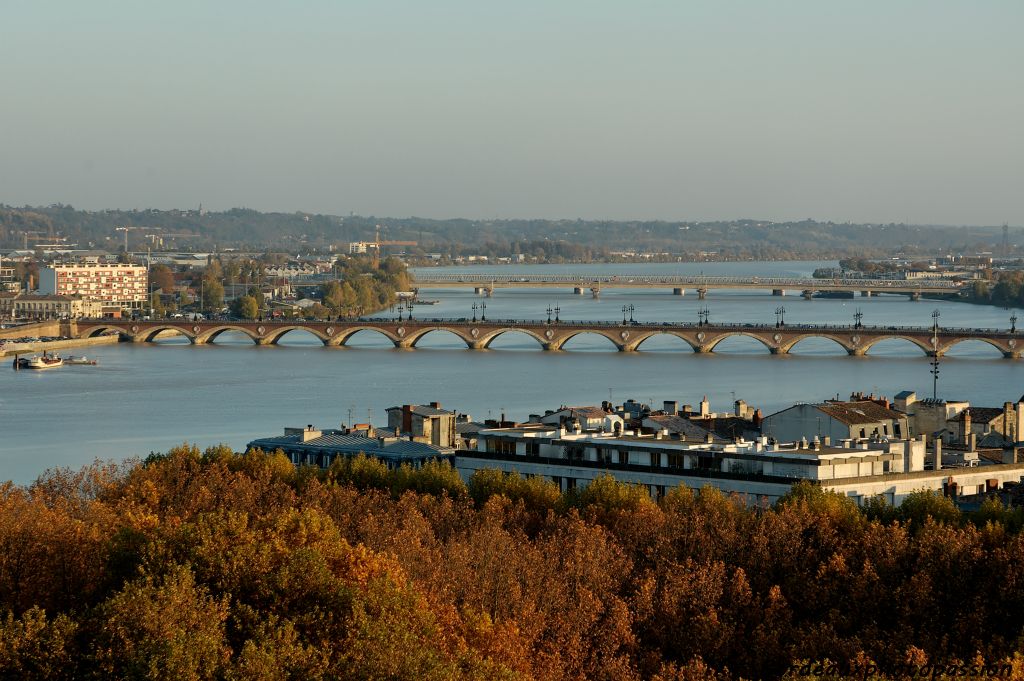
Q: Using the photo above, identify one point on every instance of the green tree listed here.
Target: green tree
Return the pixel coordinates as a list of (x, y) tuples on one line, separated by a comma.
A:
[(213, 294), (245, 307)]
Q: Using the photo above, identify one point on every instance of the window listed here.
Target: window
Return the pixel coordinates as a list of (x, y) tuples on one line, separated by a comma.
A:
[(532, 448)]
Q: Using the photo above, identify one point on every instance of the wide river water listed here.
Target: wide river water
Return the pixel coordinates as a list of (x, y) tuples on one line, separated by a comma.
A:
[(149, 397)]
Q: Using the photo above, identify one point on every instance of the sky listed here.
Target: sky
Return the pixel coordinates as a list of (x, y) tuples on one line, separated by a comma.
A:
[(866, 111)]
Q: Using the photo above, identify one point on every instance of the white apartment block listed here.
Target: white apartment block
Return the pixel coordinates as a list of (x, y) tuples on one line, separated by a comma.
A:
[(113, 285)]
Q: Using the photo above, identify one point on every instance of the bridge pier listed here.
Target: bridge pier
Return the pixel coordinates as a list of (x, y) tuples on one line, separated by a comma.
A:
[(596, 291), (867, 294), (479, 290), (264, 341), (915, 295), (477, 345), (1012, 354), (808, 294), (778, 351), (578, 290), (679, 291), (856, 352), (702, 293), (778, 291)]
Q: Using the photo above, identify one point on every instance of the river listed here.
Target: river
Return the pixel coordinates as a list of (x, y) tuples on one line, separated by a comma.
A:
[(144, 398)]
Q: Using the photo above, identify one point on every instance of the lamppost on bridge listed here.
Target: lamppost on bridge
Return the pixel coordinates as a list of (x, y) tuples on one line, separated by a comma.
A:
[(631, 314), (780, 316), (705, 316), (625, 309), (549, 314), (1013, 323), (934, 371), (409, 305), (857, 316), (935, 323), (557, 310), (401, 309), (483, 311), (474, 313)]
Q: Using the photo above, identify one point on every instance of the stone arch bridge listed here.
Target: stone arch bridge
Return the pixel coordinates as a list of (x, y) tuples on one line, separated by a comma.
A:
[(552, 336)]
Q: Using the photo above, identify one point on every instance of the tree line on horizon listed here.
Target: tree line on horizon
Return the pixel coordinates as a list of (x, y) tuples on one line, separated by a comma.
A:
[(543, 240), (213, 564)]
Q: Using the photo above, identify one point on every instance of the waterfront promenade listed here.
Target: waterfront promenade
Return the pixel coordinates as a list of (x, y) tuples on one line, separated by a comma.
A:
[(625, 337)]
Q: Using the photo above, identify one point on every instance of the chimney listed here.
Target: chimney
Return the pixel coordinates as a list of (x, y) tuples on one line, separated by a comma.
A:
[(705, 407), (1008, 421), (1018, 433), (938, 454), (758, 417), (709, 438), (671, 407), (406, 418), (828, 441), (965, 424), (972, 442), (435, 405)]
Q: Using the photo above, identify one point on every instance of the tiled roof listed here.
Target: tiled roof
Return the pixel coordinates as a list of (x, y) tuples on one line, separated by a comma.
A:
[(980, 414), (679, 424), (585, 412), (336, 441), (858, 412), (468, 427)]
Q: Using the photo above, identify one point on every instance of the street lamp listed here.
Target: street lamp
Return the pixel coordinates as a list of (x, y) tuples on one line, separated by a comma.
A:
[(780, 316), (705, 316), (631, 314), (549, 314), (474, 313), (625, 309), (557, 310), (934, 371), (483, 311), (857, 316), (1013, 323)]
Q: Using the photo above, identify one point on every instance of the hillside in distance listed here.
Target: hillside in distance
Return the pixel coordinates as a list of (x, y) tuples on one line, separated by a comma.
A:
[(243, 228)]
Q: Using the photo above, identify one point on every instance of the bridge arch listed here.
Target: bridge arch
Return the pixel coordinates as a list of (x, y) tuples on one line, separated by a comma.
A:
[(414, 337), (612, 336), (866, 346), (99, 330), (1002, 347), (210, 335), (486, 339), (149, 334), (654, 334), (845, 343), (345, 335), (711, 343), (276, 334)]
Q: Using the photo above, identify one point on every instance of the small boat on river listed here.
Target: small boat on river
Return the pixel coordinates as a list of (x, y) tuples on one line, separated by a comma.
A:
[(43, 361), (83, 361)]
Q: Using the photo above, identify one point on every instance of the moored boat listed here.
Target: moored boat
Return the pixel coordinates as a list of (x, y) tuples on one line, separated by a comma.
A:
[(43, 361), (71, 359)]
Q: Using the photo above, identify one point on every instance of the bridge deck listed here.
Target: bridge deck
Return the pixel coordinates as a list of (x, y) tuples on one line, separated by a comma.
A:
[(680, 281)]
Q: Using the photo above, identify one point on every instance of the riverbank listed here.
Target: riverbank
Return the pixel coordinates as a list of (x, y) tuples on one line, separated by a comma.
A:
[(50, 346)]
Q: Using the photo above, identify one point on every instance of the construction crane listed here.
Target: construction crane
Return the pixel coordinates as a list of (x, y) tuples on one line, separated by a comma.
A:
[(127, 229), (377, 243)]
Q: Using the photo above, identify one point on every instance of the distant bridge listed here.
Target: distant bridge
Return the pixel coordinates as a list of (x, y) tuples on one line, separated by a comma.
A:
[(478, 335), (486, 283)]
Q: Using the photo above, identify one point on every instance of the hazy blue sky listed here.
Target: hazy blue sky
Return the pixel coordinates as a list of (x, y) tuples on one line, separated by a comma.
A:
[(866, 111)]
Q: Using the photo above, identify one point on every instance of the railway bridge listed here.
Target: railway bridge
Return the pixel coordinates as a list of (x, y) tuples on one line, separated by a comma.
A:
[(478, 335)]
